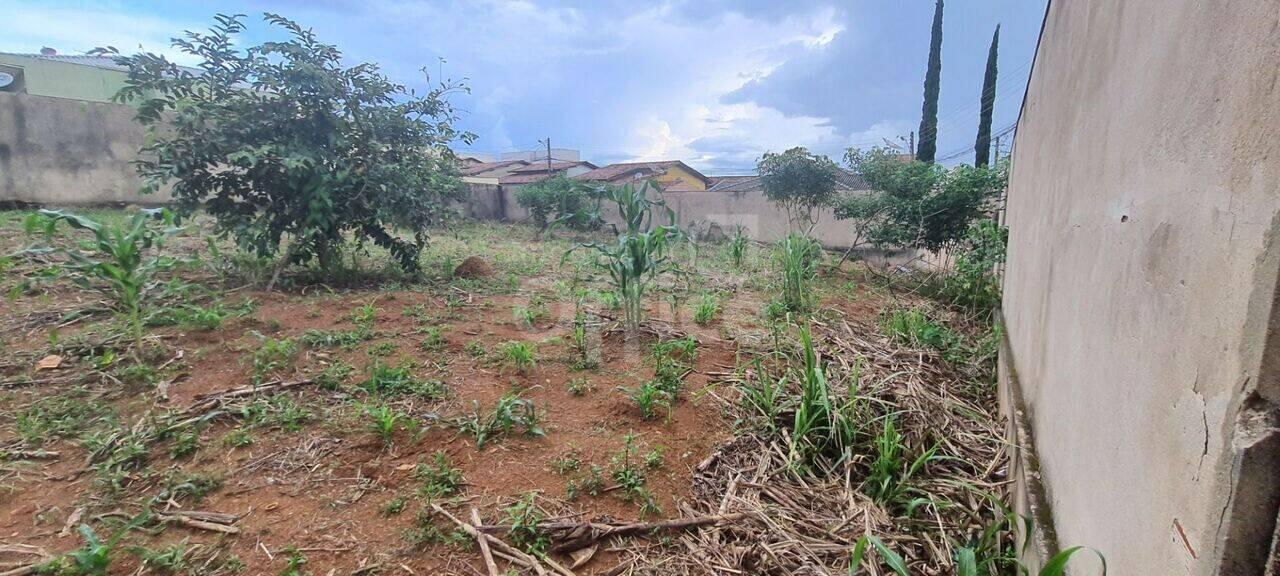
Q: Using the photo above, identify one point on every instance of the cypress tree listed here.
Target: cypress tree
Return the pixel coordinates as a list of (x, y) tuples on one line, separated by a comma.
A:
[(982, 147), (929, 117)]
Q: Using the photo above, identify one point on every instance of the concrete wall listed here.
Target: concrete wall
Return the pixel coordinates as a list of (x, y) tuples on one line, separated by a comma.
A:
[(1144, 206), (761, 219), (59, 151)]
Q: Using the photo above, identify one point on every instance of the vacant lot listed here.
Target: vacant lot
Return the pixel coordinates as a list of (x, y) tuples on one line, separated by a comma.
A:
[(326, 427)]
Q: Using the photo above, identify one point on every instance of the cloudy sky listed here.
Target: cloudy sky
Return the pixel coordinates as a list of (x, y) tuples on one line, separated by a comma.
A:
[(713, 83)]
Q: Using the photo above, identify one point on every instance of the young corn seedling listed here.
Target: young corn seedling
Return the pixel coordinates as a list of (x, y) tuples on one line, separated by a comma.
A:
[(510, 412), (889, 480), (738, 247), (384, 421), (649, 397), (518, 356), (117, 261)]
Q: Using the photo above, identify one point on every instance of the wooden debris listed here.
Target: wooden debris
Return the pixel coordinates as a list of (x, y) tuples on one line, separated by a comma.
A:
[(211, 521), (484, 546), (29, 454)]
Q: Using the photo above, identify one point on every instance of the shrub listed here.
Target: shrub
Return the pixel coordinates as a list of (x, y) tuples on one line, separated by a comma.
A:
[(559, 201), (281, 139), (799, 182), (917, 204), (974, 283)]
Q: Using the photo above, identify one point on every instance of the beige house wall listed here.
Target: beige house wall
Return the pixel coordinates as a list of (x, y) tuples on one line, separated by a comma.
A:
[(1144, 207), (60, 151)]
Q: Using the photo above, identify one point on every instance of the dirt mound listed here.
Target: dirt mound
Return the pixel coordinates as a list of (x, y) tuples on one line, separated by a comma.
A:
[(472, 268)]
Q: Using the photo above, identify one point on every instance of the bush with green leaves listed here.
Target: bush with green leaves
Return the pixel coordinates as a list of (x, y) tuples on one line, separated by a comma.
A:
[(282, 139), (974, 281), (916, 204), (800, 183), (120, 261), (640, 253), (560, 201)]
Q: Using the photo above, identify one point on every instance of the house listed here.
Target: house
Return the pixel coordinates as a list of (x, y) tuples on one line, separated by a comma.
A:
[(490, 170), (671, 175), (73, 77), (532, 172)]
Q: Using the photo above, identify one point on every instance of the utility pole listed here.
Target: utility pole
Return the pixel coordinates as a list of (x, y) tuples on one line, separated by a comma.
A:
[(548, 155), (911, 145), (997, 156)]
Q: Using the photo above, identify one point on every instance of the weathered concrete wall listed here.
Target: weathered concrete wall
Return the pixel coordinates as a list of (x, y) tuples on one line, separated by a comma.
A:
[(59, 151), (761, 219), (1144, 206)]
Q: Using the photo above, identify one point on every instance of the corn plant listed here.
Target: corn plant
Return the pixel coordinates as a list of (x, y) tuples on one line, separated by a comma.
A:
[(519, 356), (116, 261), (640, 253), (798, 258), (385, 420), (510, 412), (585, 357), (649, 397), (738, 247)]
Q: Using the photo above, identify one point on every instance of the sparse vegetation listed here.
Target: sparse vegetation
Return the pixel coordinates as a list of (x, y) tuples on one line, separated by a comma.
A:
[(518, 356)]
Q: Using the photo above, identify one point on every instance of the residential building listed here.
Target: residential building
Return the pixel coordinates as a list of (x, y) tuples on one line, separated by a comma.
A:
[(671, 175), (537, 171), (74, 77)]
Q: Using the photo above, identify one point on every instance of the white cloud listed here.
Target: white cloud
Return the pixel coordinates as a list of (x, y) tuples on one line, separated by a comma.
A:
[(27, 28)]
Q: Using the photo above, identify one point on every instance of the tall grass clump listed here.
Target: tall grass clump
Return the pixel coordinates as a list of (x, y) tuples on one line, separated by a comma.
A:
[(798, 258), (824, 425)]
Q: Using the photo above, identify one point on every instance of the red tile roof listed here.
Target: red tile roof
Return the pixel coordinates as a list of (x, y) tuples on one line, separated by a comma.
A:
[(614, 172), (556, 166), (473, 169)]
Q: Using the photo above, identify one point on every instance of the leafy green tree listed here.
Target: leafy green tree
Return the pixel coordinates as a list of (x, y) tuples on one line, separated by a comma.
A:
[(562, 201), (982, 146), (799, 182), (917, 204), (281, 139), (932, 84)]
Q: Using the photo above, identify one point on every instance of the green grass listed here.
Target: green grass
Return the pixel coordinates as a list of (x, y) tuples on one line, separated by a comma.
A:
[(388, 380), (706, 309), (438, 479), (66, 415), (272, 357)]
